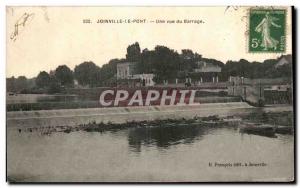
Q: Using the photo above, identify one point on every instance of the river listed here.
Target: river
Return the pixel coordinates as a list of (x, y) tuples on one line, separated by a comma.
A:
[(150, 154)]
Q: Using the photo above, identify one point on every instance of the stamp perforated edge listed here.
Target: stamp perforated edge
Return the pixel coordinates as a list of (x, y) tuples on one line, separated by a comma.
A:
[(286, 9)]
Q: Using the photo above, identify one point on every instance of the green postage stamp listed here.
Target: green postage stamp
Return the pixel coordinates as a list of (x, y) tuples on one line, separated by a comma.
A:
[(267, 30)]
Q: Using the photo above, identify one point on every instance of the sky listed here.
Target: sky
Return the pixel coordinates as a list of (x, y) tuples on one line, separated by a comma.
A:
[(54, 36)]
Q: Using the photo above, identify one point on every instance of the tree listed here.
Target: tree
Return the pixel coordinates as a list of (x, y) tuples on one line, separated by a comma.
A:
[(54, 85), (133, 52), (213, 61), (43, 80), (64, 75), (11, 84), (146, 63), (166, 63), (187, 61), (87, 73), (108, 72), (187, 54), (21, 83)]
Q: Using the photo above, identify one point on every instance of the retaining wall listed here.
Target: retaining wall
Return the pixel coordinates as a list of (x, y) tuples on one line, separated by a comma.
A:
[(73, 117)]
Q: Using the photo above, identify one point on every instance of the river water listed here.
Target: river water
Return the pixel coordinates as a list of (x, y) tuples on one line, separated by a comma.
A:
[(158, 153)]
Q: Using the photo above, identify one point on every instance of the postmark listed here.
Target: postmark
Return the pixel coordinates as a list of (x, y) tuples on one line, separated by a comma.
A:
[(267, 30)]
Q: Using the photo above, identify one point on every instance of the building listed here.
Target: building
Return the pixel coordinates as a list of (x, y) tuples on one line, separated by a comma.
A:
[(261, 91), (125, 70), (283, 60), (127, 76), (144, 79), (207, 72)]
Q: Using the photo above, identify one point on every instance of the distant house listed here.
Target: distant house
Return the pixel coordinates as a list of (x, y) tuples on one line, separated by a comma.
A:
[(145, 79), (126, 75), (283, 60), (207, 72), (125, 70)]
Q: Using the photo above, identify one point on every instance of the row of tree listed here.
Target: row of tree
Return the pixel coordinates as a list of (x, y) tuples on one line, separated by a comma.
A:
[(163, 62), (265, 69), (168, 64), (45, 82), (86, 74)]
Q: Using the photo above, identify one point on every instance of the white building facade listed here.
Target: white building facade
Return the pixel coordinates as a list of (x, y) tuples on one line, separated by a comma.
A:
[(126, 71)]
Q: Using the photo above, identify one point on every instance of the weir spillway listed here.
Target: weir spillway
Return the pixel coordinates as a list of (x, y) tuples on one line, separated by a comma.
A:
[(74, 117)]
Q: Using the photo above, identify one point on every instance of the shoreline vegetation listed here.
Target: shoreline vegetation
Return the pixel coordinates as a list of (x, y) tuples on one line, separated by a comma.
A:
[(264, 124), (164, 63)]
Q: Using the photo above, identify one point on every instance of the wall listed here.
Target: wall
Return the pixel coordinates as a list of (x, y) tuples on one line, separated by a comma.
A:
[(72, 117), (248, 90)]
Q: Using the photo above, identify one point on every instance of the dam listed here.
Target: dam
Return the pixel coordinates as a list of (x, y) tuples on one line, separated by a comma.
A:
[(73, 117)]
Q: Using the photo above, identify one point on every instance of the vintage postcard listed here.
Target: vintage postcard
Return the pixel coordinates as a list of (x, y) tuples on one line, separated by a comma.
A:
[(150, 94)]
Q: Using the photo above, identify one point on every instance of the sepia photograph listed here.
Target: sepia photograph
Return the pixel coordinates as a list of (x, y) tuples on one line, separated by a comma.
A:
[(150, 94)]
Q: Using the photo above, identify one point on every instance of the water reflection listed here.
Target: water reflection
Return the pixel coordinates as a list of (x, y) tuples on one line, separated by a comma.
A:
[(165, 136)]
